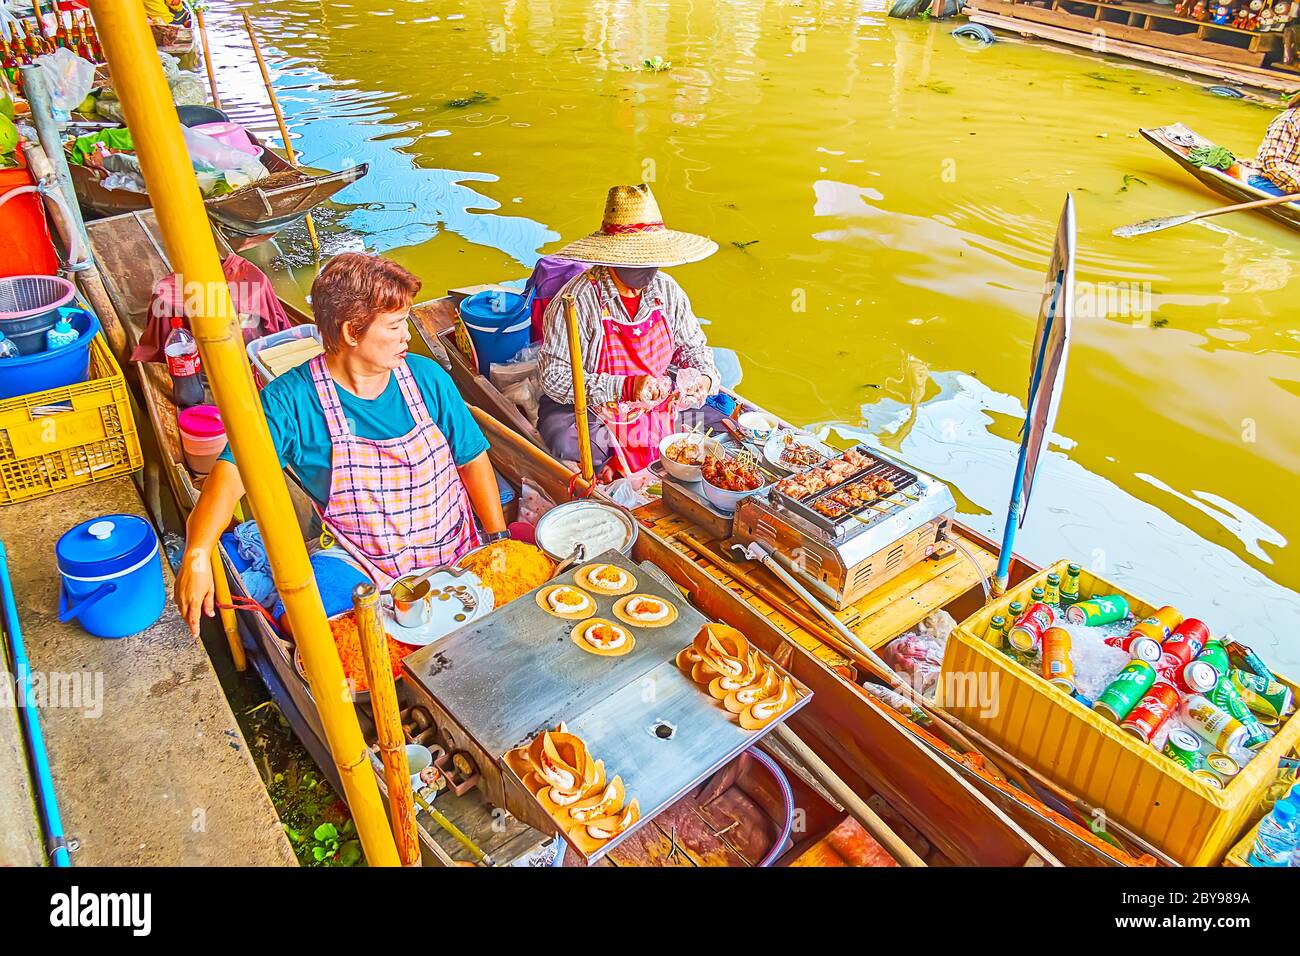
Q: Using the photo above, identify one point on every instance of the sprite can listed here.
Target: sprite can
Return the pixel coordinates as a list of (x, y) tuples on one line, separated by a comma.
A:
[(1184, 748), (1226, 695), (1052, 593), (1129, 686), (1265, 696), (1216, 655), (1070, 586), (1099, 610), (997, 631)]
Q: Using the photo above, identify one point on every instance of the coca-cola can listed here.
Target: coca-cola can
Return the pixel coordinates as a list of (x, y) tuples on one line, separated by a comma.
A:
[(1155, 707), (1187, 640), (1194, 677), (1137, 645), (1027, 635)]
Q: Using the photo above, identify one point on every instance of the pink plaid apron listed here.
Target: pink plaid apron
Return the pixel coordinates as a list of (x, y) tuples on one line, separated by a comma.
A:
[(397, 505), (642, 348)]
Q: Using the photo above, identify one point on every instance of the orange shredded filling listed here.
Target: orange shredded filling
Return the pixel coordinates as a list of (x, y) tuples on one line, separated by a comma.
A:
[(348, 642), (509, 568)]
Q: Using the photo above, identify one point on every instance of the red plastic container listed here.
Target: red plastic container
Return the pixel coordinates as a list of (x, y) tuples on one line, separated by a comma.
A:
[(25, 246)]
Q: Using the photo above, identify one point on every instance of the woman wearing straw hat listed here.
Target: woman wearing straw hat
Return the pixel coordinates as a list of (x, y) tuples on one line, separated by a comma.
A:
[(644, 354)]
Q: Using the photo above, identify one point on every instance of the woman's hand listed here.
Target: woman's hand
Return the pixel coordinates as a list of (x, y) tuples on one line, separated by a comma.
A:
[(697, 391), (649, 389), (195, 590)]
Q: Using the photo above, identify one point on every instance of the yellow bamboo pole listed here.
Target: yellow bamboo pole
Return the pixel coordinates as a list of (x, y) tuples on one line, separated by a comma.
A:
[(207, 58), (279, 117), (229, 622), (151, 115), (579, 390), (388, 721)]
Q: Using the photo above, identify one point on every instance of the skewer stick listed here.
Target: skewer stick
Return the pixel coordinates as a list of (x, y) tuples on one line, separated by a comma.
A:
[(388, 721), (279, 118), (207, 57), (579, 390)]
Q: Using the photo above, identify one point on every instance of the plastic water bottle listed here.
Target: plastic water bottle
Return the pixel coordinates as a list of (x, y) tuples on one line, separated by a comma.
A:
[(1275, 841), (7, 348), (183, 365)]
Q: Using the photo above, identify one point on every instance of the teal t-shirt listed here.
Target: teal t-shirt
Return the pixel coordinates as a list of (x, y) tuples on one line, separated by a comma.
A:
[(302, 437)]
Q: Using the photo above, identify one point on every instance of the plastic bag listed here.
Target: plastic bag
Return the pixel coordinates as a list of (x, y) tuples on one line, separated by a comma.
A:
[(917, 656), (70, 79), (627, 491), (217, 166), (520, 380), (533, 503)]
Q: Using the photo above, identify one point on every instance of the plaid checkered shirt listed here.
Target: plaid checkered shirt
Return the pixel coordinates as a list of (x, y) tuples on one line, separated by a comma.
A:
[(1279, 153)]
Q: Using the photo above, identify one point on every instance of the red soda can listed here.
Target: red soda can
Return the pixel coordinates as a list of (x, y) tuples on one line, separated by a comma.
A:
[(1186, 642), (1156, 707), (1137, 645), (1195, 677), (1027, 633), (1039, 612)]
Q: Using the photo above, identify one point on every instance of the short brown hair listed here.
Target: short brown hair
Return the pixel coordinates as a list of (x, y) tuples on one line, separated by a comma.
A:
[(353, 289)]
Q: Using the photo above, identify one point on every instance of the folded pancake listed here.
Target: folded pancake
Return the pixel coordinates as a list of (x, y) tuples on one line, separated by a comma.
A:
[(604, 638), (725, 649), (645, 610), (593, 835), (762, 712), (687, 658), (566, 601), (702, 672), (765, 685), (605, 578), (560, 759), (605, 801), (518, 761)]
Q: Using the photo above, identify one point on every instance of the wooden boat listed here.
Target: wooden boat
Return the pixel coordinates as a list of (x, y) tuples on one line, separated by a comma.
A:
[(1178, 141), (731, 819), (245, 217), (766, 615)]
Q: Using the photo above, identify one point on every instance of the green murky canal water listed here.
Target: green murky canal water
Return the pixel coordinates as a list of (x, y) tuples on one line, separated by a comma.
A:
[(884, 197)]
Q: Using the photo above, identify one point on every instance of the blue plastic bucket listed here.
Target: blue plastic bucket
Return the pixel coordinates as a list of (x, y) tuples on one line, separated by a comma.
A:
[(54, 368), (499, 323), (112, 576)]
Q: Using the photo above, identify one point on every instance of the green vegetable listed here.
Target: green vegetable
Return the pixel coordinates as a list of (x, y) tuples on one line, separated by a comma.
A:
[(1215, 156), (6, 105), (8, 135)]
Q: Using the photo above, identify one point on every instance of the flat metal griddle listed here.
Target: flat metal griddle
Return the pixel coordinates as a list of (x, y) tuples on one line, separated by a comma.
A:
[(506, 678)]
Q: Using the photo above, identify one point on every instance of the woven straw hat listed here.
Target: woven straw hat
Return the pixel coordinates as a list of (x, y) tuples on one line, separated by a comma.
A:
[(632, 233)]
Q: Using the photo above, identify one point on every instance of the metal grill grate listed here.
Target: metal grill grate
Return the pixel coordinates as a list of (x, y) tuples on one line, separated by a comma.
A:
[(865, 514)]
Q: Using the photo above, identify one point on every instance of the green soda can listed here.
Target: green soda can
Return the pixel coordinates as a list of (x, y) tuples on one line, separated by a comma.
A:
[(1268, 697), (1038, 594), (1184, 748), (1070, 586), (1052, 593), (1216, 655), (996, 634), (1227, 696), (1124, 692), (1099, 610)]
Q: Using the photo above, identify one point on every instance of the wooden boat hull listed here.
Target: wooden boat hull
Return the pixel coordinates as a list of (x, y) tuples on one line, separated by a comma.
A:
[(1177, 141)]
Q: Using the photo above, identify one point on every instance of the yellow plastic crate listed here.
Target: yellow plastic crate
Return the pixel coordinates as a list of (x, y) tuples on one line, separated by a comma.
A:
[(1085, 753), (70, 436)]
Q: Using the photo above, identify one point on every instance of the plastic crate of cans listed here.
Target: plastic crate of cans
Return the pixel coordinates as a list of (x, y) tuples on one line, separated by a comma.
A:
[(1190, 819)]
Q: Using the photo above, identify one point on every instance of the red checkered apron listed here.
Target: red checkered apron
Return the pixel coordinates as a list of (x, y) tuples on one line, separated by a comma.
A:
[(397, 505), (642, 348)]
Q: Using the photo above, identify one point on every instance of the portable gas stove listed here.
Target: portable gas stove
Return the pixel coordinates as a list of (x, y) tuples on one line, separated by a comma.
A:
[(844, 557)]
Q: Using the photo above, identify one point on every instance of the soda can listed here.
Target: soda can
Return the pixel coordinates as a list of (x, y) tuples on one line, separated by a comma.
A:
[(1155, 707), (1166, 618), (1099, 610), (1027, 635), (1188, 640), (1227, 694), (1138, 646), (1058, 669), (1216, 655), (1053, 590), (1183, 747), (997, 630), (1208, 778), (1194, 677), (1243, 658), (1070, 585), (1212, 723), (1264, 696), (1161, 735), (1124, 692), (1222, 766)]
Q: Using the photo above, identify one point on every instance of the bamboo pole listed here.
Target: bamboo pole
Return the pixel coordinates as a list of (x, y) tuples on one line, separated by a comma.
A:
[(207, 58), (579, 390), (229, 621), (387, 715), (187, 236), (279, 117)]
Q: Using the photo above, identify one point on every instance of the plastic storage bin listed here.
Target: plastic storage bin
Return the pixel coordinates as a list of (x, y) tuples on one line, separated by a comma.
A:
[(1090, 756), (111, 575), (257, 346), (64, 437)]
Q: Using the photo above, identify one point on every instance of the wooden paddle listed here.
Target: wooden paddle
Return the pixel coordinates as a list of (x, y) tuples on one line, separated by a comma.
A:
[(1168, 222)]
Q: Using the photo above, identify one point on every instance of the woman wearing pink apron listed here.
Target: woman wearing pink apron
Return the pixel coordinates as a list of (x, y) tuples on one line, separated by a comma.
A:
[(380, 440)]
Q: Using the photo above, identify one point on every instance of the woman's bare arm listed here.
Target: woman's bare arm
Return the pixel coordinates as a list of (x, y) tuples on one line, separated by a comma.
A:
[(195, 594), (481, 483)]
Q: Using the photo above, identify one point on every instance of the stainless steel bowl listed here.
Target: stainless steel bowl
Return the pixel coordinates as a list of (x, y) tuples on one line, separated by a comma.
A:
[(550, 518)]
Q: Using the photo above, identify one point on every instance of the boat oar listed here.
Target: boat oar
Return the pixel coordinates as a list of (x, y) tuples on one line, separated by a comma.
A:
[(207, 57), (279, 118), (1168, 222)]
